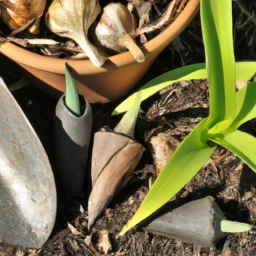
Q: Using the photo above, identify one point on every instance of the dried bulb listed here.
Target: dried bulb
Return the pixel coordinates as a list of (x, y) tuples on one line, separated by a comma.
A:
[(113, 30), (17, 13), (72, 19)]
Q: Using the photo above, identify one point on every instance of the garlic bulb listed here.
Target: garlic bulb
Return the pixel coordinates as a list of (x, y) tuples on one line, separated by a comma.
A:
[(113, 30), (17, 13), (72, 19)]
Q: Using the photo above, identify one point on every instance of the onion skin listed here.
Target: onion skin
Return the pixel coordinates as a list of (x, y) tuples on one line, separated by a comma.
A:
[(113, 30), (17, 13), (72, 19)]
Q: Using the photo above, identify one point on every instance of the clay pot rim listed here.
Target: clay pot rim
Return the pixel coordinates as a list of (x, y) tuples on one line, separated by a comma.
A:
[(114, 62)]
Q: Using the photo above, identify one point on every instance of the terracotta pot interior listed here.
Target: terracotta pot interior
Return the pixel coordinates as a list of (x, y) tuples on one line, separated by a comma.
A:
[(117, 76)]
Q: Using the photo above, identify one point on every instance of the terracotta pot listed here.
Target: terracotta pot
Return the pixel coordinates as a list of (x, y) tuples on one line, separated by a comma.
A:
[(118, 75)]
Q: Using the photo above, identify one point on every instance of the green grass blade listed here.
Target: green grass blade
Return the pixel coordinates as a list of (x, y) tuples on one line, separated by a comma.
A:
[(234, 227), (186, 161), (72, 98), (241, 144), (195, 71), (245, 105), (19, 84), (216, 20)]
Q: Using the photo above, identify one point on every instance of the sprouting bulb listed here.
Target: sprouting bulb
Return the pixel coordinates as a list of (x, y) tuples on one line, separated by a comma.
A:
[(17, 13), (72, 19), (113, 30)]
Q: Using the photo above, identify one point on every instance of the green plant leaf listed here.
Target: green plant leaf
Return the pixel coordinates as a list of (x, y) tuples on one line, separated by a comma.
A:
[(186, 161), (216, 20), (244, 71), (72, 98), (234, 227), (128, 121), (194, 151), (245, 111), (19, 84), (245, 105), (241, 144), (195, 71)]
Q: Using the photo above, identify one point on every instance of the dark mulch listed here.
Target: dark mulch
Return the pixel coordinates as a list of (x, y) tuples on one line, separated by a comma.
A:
[(174, 111)]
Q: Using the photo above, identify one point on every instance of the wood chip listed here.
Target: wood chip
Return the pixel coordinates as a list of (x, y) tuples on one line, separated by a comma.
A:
[(42, 41), (162, 147), (241, 83), (74, 230), (103, 245), (81, 209), (88, 240)]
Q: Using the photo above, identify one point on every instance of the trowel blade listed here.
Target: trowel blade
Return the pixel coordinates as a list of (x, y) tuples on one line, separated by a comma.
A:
[(27, 187)]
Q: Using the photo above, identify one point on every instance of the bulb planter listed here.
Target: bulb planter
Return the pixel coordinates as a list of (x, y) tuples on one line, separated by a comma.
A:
[(118, 75), (197, 222), (72, 138)]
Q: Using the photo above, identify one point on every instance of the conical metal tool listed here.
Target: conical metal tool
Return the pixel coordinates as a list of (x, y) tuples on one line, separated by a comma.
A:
[(27, 188), (72, 139), (197, 222)]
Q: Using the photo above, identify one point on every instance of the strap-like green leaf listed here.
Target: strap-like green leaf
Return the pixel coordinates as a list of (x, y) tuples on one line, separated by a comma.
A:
[(72, 98), (241, 144), (216, 20), (245, 110), (195, 71), (128, 121), (186, 161), (19, 84), (245, 105), (244, 71)]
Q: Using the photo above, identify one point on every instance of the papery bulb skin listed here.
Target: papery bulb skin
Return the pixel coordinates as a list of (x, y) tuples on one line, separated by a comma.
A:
[(113, 30), (115, 22), (17, 13), (72, 19)]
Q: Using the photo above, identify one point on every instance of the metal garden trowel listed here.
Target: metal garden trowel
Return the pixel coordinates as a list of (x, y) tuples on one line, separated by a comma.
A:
[(27, 188)]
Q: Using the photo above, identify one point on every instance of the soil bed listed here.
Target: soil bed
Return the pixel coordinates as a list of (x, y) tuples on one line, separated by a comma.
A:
[(174, 111)]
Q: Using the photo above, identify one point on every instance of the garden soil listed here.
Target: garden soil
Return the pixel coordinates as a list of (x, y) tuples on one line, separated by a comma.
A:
[(174, 112)]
